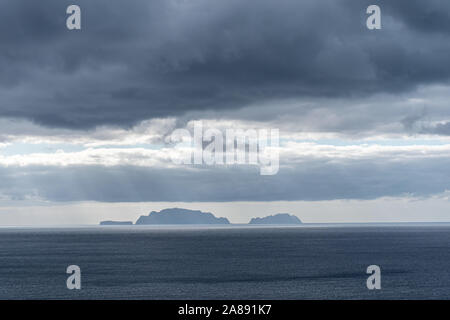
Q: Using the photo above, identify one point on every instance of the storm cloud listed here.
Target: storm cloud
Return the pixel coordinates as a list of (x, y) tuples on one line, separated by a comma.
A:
[(311, 181), (136, 60)]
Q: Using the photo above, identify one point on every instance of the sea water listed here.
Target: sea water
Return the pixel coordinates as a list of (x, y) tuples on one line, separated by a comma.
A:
[(228, 262)]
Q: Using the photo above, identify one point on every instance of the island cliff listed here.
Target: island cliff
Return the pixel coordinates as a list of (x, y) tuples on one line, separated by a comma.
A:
[(180, 216), (281, 218)]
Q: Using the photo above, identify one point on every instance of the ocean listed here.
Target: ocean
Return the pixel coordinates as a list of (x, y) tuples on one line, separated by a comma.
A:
[(226, 262)]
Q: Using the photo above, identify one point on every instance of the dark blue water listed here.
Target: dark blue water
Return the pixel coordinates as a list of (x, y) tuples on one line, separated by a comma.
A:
[(226, 263)]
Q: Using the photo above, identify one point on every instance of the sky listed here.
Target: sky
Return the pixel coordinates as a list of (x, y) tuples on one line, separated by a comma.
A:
[(363, 115)]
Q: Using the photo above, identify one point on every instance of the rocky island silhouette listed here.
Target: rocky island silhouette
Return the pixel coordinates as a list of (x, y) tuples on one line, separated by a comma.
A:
[(179, 216)]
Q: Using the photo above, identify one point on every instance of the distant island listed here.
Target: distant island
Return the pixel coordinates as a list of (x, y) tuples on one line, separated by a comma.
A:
[(180, 216), (116, 223), (281, 218)]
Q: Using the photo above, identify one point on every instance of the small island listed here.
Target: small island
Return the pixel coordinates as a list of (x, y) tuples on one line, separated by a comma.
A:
[(180, 216), (281, 218), (116, 223)]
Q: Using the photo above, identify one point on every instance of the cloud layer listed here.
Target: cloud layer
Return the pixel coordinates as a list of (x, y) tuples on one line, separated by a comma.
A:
[(144, 59), (308, 172), (362, 114)]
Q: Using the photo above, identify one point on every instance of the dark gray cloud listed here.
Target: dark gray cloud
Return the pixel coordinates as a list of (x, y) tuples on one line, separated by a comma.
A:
[(442, 129), (135, 59), (318, 180)]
